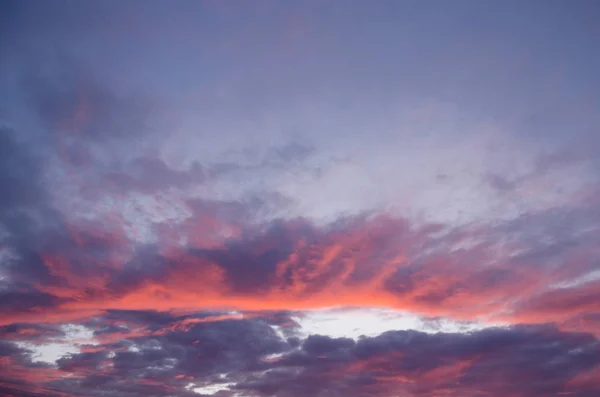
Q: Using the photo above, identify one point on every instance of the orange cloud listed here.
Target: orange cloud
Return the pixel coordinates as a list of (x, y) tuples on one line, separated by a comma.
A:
[(380, 261)]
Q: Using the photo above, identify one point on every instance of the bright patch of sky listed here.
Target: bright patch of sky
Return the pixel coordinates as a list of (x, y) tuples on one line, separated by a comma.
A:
[(54, 349), (370, 322)]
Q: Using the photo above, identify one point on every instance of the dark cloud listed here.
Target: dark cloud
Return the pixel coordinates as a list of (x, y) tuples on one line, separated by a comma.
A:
[(250, 264), (164, 364), (138, 317), (15, 301), (317, 345), (543, 360), (521, 361)]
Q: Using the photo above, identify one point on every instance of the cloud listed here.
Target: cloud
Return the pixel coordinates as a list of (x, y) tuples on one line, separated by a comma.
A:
[(235, 354), (266, 200), (465, 274)]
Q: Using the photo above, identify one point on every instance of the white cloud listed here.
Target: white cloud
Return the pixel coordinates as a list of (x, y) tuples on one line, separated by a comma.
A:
[(56, 348), (211, 388), (370, 322)]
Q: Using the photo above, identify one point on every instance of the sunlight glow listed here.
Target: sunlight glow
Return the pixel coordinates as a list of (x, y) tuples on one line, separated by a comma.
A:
[(354, 323)]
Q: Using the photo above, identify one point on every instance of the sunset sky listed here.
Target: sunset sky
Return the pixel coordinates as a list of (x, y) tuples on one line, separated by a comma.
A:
[(300, 198)]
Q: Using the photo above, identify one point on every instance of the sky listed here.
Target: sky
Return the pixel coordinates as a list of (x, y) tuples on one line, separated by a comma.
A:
[(299, 198)]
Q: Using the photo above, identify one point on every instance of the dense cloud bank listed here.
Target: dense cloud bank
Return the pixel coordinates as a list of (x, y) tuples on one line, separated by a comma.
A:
[(146, 355)]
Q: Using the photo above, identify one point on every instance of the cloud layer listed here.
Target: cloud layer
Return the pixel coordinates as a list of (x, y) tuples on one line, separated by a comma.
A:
[(291, 200)]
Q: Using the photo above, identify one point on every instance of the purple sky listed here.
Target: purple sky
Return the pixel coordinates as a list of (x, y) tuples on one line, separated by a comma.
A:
[(286, 198)]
